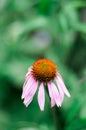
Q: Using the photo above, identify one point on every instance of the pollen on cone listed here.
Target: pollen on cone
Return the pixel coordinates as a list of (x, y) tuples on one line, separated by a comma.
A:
[(44, 70)]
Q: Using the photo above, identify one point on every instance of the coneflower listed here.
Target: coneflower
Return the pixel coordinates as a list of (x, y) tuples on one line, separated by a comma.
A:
[(44, 71)]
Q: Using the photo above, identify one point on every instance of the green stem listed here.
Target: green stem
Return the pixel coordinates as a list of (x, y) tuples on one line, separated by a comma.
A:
[(59, 125), (56, 118)]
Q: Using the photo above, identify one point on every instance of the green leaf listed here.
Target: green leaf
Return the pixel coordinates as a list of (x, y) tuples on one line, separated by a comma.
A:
[(77, 124), (73, 111), (77, 3), (81, 27)]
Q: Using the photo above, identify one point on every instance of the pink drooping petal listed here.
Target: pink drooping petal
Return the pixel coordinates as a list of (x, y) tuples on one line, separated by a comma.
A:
[(28, 102), (26, 80), (29, 71), (27, 77), (51, 95), (56, 94), (62, 85), (30, 93), (30, 88), (27, 85), (61, 92), (41, 97)]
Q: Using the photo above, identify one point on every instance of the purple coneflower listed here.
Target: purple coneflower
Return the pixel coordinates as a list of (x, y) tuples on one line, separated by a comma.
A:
[(44, 71)]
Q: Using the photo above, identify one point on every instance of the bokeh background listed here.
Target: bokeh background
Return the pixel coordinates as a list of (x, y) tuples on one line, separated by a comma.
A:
[(33, 29)]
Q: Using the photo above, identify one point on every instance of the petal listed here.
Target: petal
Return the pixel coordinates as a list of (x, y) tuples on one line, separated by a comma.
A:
[(41, 97), (30, 93), (26, 103), (51, 95), (62, 85), (31, 88), (27, 85), (26, 80), (60, 90), (29, 71), (56, 94)]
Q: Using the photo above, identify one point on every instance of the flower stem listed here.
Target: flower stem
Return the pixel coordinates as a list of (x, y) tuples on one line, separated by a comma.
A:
[(59, 125)]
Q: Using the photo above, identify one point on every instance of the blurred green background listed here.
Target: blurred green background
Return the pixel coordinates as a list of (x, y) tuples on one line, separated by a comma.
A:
[(33, 29)]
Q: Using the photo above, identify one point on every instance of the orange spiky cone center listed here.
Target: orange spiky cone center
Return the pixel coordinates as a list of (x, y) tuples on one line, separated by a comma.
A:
[(44, 70)]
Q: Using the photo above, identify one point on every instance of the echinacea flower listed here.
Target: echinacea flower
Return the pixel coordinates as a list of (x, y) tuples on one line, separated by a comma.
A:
[(44, 71)]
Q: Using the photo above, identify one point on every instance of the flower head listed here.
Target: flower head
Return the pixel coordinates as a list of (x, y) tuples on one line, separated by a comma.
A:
[(44, 71)]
